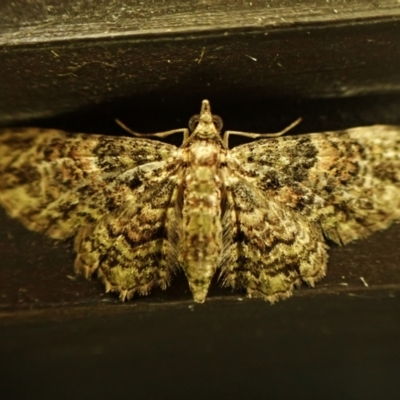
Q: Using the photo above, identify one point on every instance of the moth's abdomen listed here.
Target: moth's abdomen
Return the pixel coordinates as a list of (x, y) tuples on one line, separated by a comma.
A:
[(201, 242)]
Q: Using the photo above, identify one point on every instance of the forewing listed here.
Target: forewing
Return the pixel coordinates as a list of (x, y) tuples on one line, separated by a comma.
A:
[(54, 182), (348, 180), (269, 248)]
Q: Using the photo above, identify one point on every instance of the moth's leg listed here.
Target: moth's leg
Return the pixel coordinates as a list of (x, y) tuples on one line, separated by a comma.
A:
[(185, 132), (259, 135)]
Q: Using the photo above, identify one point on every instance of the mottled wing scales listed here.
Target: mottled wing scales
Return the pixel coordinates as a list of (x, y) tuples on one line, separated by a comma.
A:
[(271, 249), (55, 182), (347, 181), (272, 201), (133, 248), (114, 192)]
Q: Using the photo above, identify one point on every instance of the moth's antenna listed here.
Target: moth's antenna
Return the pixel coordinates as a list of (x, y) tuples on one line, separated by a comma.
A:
[(258, 135), (185, 132), (125, 128)]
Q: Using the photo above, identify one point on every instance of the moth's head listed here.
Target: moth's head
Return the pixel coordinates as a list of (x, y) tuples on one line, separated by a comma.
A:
[(205, 125)]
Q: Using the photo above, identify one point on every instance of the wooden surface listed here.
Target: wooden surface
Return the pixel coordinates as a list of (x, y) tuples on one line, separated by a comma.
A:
[(58, 57), (262, 64), (329, 346)]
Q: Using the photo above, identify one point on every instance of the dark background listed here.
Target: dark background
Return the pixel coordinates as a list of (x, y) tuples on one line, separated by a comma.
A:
[(79, 65)]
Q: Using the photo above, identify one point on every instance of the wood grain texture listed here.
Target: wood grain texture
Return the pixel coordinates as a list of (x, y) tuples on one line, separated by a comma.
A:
[(52, 57)]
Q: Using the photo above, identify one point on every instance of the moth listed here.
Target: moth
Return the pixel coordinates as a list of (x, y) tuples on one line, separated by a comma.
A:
[(258, 215)]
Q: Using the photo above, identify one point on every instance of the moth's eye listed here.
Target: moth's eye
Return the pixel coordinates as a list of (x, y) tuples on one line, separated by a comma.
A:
[(193, 122), (218, 122)]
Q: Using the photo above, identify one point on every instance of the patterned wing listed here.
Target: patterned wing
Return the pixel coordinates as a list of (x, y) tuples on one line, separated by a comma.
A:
[(348, 181), (134, 247), (55, 182), (269, 248)]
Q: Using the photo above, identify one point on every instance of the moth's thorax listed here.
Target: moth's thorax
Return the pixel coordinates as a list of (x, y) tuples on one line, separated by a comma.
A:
[(205, 153), (202, 180)]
